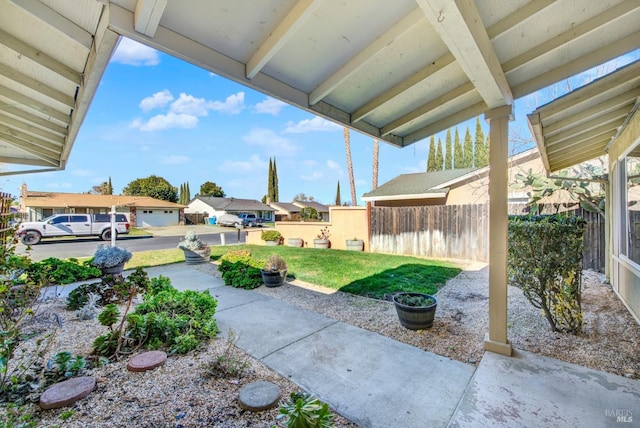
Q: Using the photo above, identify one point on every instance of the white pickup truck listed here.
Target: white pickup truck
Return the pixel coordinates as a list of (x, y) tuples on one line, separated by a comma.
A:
[(30, 233)]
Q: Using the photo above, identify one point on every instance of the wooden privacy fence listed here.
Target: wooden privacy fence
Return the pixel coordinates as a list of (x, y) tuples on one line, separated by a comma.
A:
[(6, 231), (458, 232)]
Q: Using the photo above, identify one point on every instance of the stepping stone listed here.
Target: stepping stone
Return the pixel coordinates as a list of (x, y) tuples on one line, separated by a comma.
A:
[(66, 393), (260, 395), (147, 361)]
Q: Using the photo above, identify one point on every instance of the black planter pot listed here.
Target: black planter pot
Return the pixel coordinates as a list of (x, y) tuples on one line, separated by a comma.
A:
[(273, 279), (415, 317)]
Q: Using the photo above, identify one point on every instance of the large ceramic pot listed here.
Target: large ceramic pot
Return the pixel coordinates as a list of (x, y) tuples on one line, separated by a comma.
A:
[(273, 278), (321, 243), (295, 242), (113, 270), (415, 317), (194, 257), (355, 245)]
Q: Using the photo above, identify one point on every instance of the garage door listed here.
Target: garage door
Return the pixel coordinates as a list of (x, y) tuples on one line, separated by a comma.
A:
[(157, 217)]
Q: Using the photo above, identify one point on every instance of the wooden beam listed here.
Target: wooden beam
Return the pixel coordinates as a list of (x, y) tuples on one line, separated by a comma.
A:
[(446, 123), (32, 149), (297, 16), (370, 52), (25, 131), (29, 103), (601, 128), (50, 126), (586, 119), (459, 25), (147, 16), (35, 84), (22, 161), (565, 148)]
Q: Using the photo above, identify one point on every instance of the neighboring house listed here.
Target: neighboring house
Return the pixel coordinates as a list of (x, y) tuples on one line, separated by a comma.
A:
[(451, 187), (142, 211), (285, 211), (215, 207), (322, 210)]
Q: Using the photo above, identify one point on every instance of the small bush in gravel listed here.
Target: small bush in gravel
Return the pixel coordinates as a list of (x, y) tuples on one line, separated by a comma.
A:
[(111, 289), (305, 411), (240, 270), (230, 364), (63, 271), (63, 366)]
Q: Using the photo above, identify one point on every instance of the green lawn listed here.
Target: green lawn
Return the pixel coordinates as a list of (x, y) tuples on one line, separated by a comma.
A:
[(365, 274)]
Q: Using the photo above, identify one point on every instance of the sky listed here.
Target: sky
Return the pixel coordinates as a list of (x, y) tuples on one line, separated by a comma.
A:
[(154, 114)]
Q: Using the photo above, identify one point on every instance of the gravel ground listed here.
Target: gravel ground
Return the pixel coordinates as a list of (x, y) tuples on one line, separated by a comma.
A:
[(179, 395)]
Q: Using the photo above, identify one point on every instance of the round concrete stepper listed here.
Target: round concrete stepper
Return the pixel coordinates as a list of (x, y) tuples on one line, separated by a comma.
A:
[(147, 361), (260, 395), (66, 393)]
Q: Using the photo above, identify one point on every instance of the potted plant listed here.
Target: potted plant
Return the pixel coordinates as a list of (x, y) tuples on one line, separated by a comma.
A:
[(271, 237), (322, 240), (110, 260), (195, 251), (295, 242), (416, 311), (274, 271), (355, 244)]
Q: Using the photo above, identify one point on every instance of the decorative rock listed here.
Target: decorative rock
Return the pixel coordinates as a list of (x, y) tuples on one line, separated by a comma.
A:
[(147, 361), (68, 392), (260, 395)]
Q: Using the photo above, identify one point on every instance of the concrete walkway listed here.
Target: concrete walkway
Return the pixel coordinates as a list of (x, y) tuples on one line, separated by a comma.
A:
[(378, 382)]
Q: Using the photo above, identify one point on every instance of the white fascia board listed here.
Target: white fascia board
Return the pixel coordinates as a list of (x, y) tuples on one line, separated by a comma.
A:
[(403, 197)]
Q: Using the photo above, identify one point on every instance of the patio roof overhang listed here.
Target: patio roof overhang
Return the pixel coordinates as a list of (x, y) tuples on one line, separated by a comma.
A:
[(398, 71), (580, 125)]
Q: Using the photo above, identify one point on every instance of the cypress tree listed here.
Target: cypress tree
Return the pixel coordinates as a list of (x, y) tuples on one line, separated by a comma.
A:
[(181, 195), (468, 150), (109, 187), (458, 157), (431, 162), (338, 198), (480, 158), (270, 182), (439, 158), (188, 194), (276, 193), (448, 156)]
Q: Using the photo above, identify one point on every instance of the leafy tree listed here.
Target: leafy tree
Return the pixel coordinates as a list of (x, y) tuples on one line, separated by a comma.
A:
[(338, 199), (480, 154), (209, 188), (458, 156), (467, 156), (431, 162), (448, 156), (439, 157), (301, 197), (101, 189), (152, 186)]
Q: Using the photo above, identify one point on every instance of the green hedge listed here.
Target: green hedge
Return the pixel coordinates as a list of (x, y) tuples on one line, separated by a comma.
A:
[(545, 261)]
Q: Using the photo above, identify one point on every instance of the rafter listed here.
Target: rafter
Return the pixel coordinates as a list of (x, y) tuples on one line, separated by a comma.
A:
[(26, 129), (147, 16), (441, 125), (32, 149), (361, 59), (29, 103), (600, 113), (459, 25), (27, 117), (283, 32)]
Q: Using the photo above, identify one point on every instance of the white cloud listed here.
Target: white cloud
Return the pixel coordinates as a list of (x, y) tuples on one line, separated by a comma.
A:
[(313, 175), (157, 100), (133, 53), (270, 106), (253, 164), (174, 160), (316, 124), (166, 121), (333, 165), (273, 142), (188, 104), (234, 104)]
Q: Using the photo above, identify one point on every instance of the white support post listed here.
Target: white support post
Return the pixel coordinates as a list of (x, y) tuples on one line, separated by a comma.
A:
[(113, 225), (498, 119)]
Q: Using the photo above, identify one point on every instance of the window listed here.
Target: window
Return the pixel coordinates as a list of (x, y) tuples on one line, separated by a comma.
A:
[(78, 219), (629, 170), (61, 219)]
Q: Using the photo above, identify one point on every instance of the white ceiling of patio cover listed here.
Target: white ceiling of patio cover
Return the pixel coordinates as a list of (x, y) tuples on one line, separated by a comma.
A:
[(399, 71)]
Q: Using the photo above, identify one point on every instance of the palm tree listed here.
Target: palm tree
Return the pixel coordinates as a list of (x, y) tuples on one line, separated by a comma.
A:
[(376, 154), (352, 181)]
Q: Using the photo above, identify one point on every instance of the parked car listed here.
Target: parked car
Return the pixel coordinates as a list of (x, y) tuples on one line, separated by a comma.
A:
[(250, 220), (30, 233), (229, 220)]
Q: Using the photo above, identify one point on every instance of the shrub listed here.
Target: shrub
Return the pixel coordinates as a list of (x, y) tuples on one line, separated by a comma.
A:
[(108, 256), (63, 366), (545, 261), (63, 271), (230, 364), (111, 289), (324, 233), (240, 270), (271, 235)]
